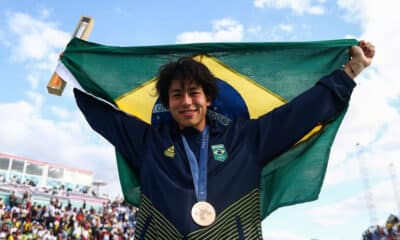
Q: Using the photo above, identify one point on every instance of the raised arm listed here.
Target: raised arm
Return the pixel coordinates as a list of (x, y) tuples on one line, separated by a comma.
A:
[(277, 131), (125, 132)]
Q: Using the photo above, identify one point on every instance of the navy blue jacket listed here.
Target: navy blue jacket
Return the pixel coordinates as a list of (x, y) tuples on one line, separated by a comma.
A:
[(166, 182)]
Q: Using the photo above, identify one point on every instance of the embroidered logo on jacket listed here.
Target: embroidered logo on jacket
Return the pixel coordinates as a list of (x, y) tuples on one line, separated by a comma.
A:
[(170, 152), (219, 152)]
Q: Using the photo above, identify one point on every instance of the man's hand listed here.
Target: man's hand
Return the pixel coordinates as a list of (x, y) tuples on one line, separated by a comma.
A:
[(361, 57), (363, 53)]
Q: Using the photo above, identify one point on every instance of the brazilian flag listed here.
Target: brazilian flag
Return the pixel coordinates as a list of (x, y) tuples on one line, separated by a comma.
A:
[(253, 79)]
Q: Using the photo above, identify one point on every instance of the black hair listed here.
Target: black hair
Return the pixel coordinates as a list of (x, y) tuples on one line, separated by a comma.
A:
[(185, 69)]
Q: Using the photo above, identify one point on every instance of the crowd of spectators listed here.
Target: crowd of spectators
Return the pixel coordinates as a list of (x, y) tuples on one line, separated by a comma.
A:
[(391, 230), (28, 220)]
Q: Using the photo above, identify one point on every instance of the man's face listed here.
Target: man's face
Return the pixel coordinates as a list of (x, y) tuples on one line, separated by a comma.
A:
[(188, 104)]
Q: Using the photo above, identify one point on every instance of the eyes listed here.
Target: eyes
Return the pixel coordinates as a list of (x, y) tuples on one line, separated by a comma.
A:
[(191, 93)]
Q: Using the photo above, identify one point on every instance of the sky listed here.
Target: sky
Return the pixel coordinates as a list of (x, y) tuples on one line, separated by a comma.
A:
[(363, 168)]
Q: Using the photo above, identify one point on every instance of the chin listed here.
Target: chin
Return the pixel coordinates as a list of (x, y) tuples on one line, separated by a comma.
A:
[(188, 125)]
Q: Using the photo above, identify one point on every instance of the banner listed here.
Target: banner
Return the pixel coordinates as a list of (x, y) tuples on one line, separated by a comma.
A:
[(253, 79)]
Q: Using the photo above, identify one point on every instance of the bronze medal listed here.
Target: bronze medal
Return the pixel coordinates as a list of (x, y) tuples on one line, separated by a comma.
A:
[(203, 213)]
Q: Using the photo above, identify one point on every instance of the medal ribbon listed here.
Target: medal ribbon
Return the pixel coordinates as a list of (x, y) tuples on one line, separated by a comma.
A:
[(199, 170)]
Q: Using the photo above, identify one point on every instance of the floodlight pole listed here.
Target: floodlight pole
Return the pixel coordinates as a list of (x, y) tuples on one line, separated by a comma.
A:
[(56, 84)]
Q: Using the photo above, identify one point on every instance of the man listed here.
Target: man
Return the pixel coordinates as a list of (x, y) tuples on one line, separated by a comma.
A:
[(12, 199), (186, 191)]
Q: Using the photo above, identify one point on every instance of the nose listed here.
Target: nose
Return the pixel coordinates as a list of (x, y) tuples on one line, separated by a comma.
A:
[(186, 99)]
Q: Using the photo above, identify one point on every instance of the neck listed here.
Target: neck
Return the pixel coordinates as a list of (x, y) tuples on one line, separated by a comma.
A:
[(199, 128)]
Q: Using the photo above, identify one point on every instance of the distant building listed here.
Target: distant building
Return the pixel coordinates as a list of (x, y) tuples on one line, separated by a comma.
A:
[(46, 174), (45, 181)]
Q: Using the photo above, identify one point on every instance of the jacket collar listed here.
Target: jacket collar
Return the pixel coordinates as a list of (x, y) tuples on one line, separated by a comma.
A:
[(214, 127)]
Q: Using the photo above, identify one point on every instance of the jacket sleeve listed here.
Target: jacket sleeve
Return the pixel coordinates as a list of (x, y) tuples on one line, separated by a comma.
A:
[(280, 129), (125, 132)]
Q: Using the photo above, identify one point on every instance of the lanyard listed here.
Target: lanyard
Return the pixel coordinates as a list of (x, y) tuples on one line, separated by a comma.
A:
[(199, 170)]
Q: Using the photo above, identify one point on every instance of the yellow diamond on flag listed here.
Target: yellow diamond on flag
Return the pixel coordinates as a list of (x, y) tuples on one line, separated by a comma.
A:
[(140, 102), (258, 99)]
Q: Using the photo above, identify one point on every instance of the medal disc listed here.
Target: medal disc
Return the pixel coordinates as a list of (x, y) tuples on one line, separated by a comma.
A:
[(203, 213)]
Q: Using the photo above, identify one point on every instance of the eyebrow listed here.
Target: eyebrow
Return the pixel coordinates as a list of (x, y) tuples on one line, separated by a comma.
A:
[(175, 90), (180, 89)]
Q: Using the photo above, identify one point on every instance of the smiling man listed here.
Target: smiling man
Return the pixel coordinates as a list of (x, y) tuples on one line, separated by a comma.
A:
[(186, 82), (189, 192)]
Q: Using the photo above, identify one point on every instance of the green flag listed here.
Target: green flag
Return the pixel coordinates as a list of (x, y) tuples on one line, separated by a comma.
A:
[(253, 79)]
